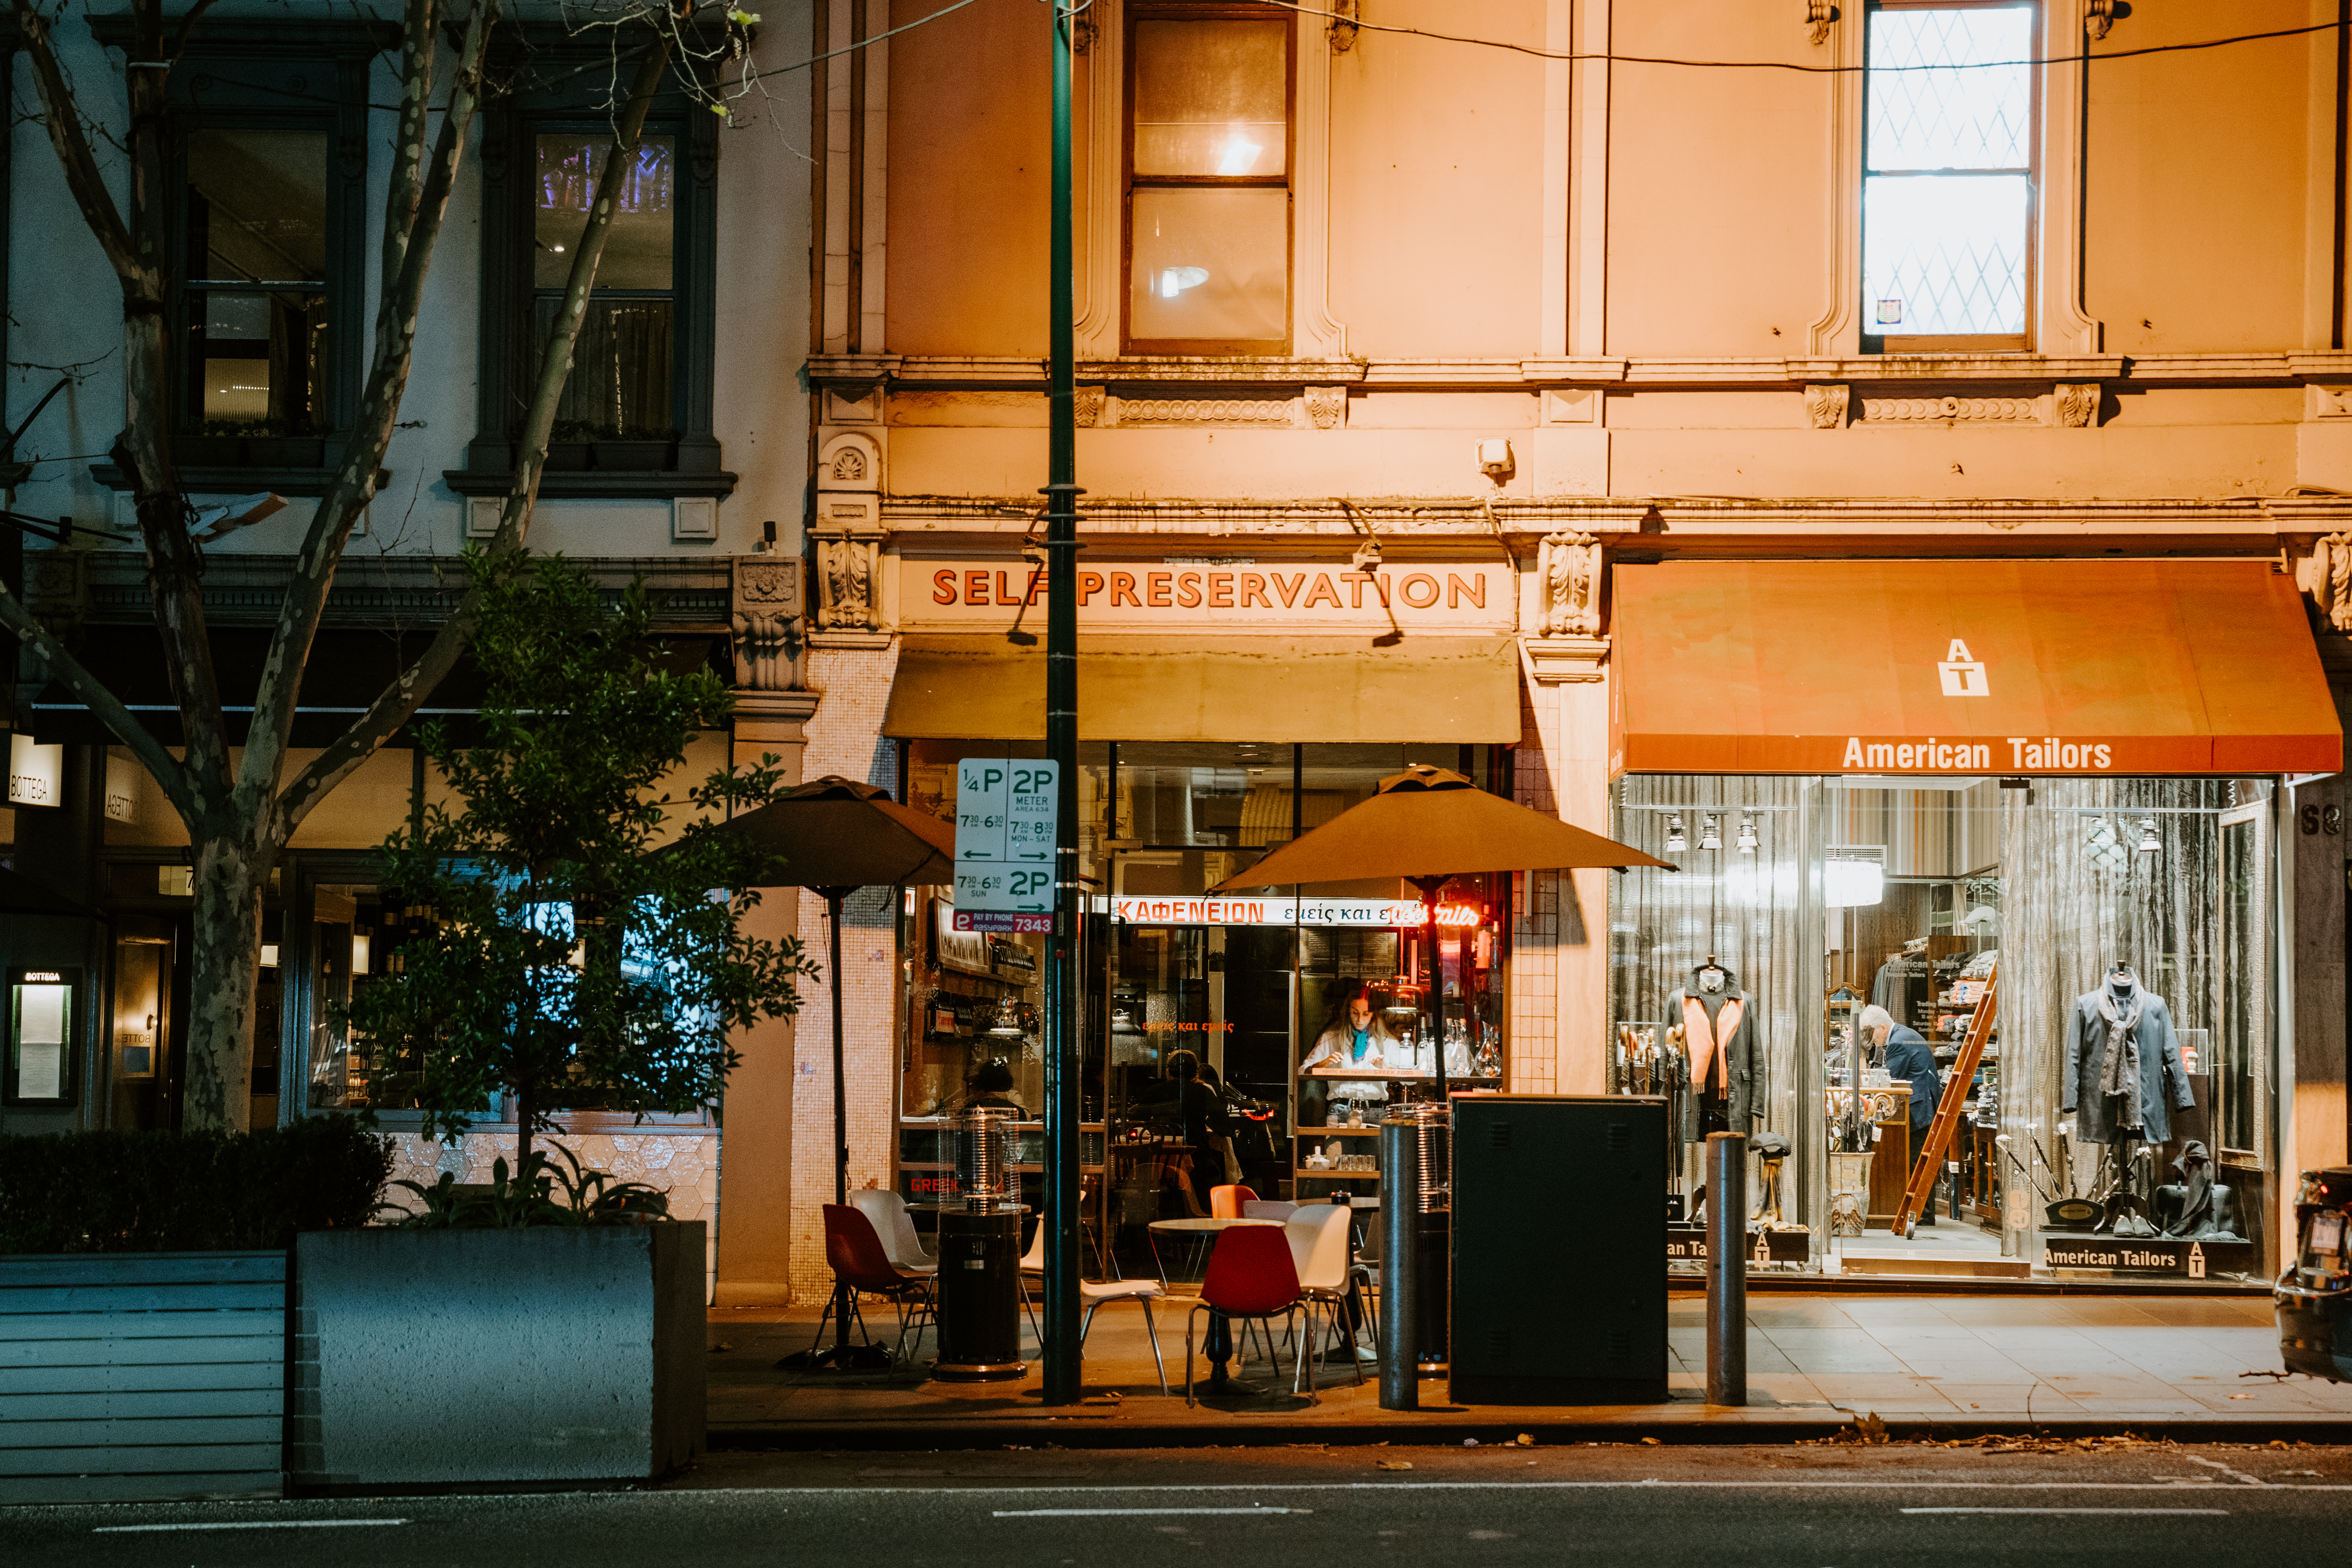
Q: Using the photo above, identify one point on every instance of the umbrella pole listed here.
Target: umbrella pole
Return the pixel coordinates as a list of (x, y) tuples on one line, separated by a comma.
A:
[(832, 897), (1430, 888)]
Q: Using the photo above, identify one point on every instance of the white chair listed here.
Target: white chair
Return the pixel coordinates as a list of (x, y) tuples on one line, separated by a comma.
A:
[(1092, 1294), (1320, 1250), (1266, 1208), (896, 1227)]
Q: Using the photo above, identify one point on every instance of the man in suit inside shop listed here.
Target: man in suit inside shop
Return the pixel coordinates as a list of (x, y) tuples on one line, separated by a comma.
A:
[(1909, 1060)]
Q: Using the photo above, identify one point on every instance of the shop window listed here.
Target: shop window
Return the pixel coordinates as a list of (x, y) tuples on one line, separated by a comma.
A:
[(1948, 177), (1208, 198), (1251, 987), (1816, 900)]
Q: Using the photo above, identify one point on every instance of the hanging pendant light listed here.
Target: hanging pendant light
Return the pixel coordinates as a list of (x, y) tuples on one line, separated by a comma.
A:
[(1008, 1020), (2149, 844), (1747, 835), (1710, 834), (1675, 843)]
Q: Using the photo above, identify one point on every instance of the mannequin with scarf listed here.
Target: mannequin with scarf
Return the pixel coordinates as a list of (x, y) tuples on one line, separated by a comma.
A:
[(1720, 1038), (2122, 1057)]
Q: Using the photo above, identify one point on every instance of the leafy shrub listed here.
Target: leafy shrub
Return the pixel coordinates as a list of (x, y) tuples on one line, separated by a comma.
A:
[(589, 1196), (188, 1192)]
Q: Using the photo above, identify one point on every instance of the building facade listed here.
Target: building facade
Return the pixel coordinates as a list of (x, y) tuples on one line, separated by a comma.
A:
[(1664, 416), (680, 456)]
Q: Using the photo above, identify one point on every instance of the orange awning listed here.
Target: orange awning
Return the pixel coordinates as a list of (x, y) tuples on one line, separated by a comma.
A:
[(1967, 667)]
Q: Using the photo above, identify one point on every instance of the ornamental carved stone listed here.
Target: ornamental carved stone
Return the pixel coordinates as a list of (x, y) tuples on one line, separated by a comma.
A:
[(1326, 407), (1826, 403), (1086, 404), (848, 581), (770, 633), (1568, 572), (2327, 576), (2076, 405)]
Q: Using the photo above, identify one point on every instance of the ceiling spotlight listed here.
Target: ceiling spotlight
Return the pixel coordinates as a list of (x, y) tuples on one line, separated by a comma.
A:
[(1676, 842), (1747, 835), (1710, 834), (2148, 842)]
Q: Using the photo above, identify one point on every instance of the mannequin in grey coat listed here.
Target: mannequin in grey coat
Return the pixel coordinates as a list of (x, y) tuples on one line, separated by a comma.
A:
[(2127, 1012)]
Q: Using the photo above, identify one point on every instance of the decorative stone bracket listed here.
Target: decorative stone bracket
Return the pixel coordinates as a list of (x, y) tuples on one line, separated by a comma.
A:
[(2326, 574), (1565, 661), (849, 579), (767, 614), (1568, 586)]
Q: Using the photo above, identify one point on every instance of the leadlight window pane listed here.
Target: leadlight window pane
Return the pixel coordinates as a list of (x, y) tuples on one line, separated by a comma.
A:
[(1973, 110), (1212, 98), (639, 244), (1211, 264), (1944, 254)]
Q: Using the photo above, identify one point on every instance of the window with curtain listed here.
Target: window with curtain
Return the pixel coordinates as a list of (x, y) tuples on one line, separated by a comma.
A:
[(1947, 192), (1208, 182), (622, 385)]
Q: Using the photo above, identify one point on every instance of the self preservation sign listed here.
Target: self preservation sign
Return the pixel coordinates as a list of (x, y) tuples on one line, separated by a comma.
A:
[(1171, 594)]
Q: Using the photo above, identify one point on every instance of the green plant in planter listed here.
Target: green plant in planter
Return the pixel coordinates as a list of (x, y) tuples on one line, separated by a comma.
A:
[(512, 1202), (553, 948)]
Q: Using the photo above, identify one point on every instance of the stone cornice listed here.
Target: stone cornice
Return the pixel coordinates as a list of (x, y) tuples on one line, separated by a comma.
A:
[(911, 373), (1644, 523)]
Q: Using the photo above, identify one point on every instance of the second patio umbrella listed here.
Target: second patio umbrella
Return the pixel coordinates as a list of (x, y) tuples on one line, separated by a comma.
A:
[(836, 835), (1428, 826)]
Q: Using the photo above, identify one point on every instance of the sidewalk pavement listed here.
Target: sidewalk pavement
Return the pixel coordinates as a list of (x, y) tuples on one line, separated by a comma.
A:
[(2196, 1368)]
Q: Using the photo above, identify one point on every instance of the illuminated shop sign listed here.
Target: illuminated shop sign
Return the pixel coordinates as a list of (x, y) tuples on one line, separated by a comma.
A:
[(1362, 911), (1145, 595)]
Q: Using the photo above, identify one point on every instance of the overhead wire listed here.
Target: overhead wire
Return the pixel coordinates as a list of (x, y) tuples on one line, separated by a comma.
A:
[(1578, 55)]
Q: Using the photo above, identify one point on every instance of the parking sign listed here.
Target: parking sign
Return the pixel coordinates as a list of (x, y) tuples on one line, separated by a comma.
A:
[(1007, 810)]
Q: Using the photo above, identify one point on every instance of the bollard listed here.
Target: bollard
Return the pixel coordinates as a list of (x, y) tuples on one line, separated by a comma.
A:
[(1400, 1326), (1727, 1268)]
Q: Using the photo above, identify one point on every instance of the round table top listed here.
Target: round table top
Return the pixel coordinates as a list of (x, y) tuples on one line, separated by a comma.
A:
[(1202, 1225)]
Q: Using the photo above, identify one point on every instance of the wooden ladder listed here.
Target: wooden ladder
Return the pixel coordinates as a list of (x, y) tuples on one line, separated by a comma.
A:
[(1922, 1182)]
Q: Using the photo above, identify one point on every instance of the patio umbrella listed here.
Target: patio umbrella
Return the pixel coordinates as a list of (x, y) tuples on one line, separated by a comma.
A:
[(1428, 826), (835, 836)]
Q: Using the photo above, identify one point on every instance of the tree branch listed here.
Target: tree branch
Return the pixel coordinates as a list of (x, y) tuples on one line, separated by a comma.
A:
[(83, 177), (419, 193), (169, 773), (399, 701)]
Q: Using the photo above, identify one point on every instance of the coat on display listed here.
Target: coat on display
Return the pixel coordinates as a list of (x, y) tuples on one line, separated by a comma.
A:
[(1721, 1040), (2146, 1029)]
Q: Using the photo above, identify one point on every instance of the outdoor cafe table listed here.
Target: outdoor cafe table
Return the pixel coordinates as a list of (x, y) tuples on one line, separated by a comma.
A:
[(1218, 1343)]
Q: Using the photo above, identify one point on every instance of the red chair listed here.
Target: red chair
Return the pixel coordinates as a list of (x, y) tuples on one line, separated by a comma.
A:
[(854, 1247), (1225, 1202), (1251, 1275)]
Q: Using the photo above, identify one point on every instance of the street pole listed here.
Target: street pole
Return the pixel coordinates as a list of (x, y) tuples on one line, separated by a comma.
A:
[(1063, 1059)]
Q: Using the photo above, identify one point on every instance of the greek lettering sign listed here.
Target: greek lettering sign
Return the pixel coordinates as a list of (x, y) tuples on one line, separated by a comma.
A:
[(1006, 812)]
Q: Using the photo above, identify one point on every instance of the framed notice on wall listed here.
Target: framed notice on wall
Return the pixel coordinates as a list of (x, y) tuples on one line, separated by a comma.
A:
[(40, 1060)]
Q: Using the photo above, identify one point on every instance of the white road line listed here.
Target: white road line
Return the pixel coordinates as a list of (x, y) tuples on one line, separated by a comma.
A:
[(247, 1524), (2239, 1475), (1790, 1484), (2136, 1512), (1128, 1512)]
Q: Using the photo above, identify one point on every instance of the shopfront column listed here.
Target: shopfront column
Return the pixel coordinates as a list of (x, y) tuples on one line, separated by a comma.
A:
[(1559, 982)]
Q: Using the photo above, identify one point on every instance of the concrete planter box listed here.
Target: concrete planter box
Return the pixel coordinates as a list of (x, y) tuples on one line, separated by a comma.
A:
[(140, 1377), (450, 1357)]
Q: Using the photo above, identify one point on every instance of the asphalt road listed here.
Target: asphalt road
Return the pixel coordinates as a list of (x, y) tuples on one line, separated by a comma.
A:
[(1808, 1507)]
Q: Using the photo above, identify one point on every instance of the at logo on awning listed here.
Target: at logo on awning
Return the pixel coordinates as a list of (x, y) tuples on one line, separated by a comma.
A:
[(1963, 672)]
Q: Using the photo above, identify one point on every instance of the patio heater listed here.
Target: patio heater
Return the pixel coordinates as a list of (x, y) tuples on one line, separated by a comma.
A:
[(980, 1254), (1416, 1241)]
